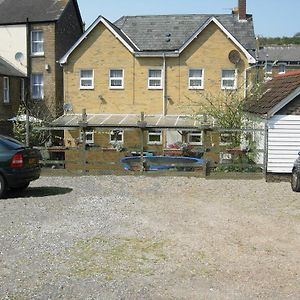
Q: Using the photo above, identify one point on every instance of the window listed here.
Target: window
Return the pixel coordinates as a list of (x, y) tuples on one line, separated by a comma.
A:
[(228, 81), (155, 79), (116, 79), (268, 68), (89, 137), (195, 138), (5, 89), (86, 79), (155, 137), (116, 136), (37, 42), (225, 139), (281, 68), (37, 86), (196, 79), (22, 90)]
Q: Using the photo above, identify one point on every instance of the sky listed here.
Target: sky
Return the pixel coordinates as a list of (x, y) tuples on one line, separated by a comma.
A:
[(272, 18)]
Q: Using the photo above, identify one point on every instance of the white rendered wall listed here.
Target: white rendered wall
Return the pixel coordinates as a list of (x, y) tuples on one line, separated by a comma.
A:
[(14, 39)]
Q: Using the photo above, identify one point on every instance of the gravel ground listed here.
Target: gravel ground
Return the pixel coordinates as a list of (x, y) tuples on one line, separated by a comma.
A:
[(135, 237)]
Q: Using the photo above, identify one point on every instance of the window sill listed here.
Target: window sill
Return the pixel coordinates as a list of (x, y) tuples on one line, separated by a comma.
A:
[(37, 55), (155, 88), (86, 88), (157, 144), (196, 88), (116, 88)]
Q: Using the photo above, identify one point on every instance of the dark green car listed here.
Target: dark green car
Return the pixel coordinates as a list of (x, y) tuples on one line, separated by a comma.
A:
[(19, 165)]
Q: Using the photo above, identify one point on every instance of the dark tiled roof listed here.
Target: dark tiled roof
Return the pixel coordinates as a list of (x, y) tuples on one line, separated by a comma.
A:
[(17, 11), (273, 92), (279, 53), (8, 70), (150, 33)]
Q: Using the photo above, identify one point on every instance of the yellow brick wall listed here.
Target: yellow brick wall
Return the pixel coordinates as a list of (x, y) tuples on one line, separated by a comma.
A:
[(102, 51)]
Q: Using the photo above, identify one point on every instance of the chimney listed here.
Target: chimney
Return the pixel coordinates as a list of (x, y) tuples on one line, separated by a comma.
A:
[(242, 10)]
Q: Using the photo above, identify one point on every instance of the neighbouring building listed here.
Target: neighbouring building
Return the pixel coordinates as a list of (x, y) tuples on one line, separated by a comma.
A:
[(279, 109), (12, 92), (159, 65), (276, 59), (34, 36)]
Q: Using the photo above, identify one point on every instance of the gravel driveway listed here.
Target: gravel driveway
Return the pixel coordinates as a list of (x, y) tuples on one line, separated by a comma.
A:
[(133, 237)]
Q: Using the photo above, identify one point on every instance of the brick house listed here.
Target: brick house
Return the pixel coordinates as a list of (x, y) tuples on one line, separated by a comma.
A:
[(279, 109), (159, 65), (35, 34), (12, 84)]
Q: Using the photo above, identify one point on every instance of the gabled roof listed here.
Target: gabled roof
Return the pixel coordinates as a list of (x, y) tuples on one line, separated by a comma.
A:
[(17, 11), (8, 70), (288, 53), (123, 38), (276, 94), (171, 32)]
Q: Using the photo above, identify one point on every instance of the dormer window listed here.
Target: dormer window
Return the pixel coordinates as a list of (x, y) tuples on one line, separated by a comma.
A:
[(281, 68), (37, 42)]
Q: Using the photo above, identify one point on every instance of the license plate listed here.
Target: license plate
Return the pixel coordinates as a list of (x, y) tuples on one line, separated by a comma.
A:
[(33, 161)]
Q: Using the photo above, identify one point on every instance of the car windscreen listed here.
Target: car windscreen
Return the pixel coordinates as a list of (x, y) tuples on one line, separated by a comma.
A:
[(10, 144)]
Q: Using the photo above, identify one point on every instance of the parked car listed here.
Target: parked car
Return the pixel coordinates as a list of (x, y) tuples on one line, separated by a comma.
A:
[(295, 181), (19, 165)]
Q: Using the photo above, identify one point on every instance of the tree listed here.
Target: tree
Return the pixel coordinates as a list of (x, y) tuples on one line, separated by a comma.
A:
[(36, 137)]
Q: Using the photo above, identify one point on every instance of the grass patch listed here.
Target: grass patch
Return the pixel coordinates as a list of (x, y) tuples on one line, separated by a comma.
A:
[(115, 257)]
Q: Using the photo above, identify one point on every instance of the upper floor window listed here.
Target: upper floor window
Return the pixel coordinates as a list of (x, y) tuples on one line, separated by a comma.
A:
[(229, 80), (22, 89), (196, 79), (5, 89), (155, 137), (116, 79), (86, 79), (37, 86), (37, 42), (195, 138), (155, 79), (281, 68)]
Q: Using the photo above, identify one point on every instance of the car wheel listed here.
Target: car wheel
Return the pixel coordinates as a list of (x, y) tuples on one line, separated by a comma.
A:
[(21, 187), (295, 181), (3, 186)]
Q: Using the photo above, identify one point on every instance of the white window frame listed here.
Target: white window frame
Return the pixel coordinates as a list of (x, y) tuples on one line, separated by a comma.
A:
[(121, 133), (113, 87), (223, 87), (224, 134), (88, 132), (84, 87), (200, 87), (284, 68), (155, 87), (22, 89), (197, 134), (266, 68), (6, 95), (155, 133), (42, 85), (37, 42)]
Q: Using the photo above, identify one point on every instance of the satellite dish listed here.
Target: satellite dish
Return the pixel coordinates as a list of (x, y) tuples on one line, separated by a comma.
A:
[(19, 56), (68, 107), (234, 56)]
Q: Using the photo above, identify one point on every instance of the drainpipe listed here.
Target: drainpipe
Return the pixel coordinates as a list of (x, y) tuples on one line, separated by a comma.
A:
[(28, 87), (164, 85)]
